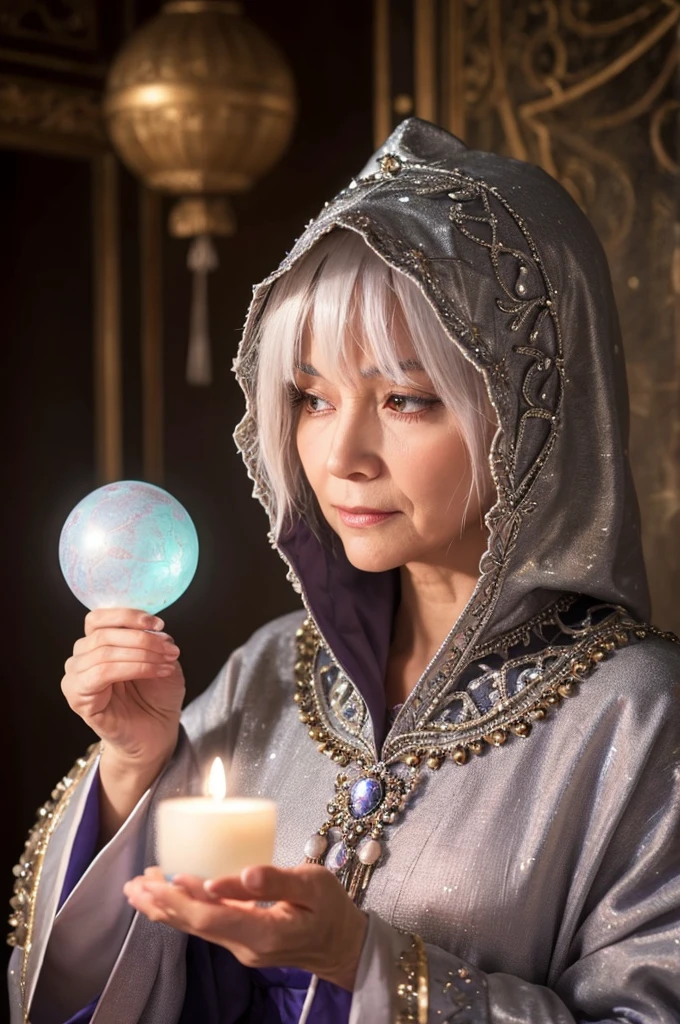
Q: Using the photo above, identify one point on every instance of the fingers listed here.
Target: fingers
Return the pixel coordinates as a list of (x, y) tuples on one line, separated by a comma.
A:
[(297, 886), (143, 900), (105, 674), (121, 618), (171, 904), (114, 637), (111, 655), (100, 655), (154, 874), (195, 887), (326, 939)]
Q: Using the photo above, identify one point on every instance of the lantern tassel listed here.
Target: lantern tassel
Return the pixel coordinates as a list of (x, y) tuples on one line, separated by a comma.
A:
[(201, 260)]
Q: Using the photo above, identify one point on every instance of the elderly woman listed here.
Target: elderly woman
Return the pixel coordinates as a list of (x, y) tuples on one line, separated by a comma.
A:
[(470, 733)]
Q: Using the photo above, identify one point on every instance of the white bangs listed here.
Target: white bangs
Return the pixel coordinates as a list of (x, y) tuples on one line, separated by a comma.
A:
[(345, 295)]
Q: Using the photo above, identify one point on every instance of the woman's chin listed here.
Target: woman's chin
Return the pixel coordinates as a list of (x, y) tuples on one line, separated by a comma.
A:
[(368, 556)]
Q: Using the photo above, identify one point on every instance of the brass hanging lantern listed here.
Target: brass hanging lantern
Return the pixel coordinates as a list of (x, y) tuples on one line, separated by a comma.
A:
[(199, 103)]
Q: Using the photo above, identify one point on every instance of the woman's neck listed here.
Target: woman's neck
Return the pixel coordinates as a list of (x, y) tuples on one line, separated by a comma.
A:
[(432, 599)]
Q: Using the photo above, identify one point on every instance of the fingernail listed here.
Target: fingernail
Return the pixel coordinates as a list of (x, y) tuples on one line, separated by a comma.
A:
[(153, 622), (207, 888), (253, 878), (171, 651), (170, 878), (166, 670)]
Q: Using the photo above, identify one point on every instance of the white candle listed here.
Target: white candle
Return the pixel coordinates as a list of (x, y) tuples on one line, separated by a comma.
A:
[(211, 837)]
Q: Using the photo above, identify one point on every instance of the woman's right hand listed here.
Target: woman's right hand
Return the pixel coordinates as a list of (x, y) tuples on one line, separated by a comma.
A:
[(125, 682)]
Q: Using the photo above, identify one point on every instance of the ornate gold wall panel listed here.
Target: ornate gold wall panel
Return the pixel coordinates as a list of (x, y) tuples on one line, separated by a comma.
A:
[(46, 51), (589, 90), (49, 117), (70, 23), (45, 117), (60, 37)]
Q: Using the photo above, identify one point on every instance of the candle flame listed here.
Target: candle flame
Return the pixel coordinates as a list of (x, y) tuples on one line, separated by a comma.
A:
[(217, 783)]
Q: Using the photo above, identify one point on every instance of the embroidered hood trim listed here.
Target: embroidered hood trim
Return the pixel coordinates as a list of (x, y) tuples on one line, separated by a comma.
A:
[(519, 281)]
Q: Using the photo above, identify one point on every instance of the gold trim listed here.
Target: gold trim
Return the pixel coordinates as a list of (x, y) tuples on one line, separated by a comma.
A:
[(563, 668), (382, 115), (423, 994), (425, 62), (107, 355), (150, 221), (29, 869), (413, 997)]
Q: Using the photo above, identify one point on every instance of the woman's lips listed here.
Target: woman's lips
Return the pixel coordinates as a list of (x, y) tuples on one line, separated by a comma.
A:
[(363, 516)]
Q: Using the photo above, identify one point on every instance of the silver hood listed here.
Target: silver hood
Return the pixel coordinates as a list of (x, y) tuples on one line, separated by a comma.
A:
[(520, 282)]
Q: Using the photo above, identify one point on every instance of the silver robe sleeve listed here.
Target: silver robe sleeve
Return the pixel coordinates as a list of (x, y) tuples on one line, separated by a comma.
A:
[(621, 962), (612, 952), (136, 966)]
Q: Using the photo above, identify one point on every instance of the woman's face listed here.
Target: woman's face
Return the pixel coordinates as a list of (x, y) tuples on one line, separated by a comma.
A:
[(386, 462)]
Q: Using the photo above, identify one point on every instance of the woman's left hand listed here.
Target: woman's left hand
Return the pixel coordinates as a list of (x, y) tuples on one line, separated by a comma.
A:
[(312, 925)]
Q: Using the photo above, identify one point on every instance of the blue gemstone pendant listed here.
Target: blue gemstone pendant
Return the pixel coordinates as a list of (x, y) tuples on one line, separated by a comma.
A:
[(365, 795)]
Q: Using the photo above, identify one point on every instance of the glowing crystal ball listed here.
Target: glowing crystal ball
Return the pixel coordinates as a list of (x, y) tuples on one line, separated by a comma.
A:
[(128, 545)]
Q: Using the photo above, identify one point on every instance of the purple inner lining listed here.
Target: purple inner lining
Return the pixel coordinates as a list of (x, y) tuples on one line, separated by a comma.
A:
[(85, 845), (219, 990), (353, 609)]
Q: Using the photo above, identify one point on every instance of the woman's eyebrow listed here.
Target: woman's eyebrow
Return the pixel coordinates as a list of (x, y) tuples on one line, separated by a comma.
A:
[(407, 365), (308, 369)]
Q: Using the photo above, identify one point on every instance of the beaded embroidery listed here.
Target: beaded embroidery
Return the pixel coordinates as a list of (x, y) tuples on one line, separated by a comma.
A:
[(506, 686), (27, 872), (412, 987), (524, 294)]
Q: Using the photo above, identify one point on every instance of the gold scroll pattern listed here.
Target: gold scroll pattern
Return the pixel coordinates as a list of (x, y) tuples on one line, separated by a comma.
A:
[(42, 107), (69, 23), (589, 89)]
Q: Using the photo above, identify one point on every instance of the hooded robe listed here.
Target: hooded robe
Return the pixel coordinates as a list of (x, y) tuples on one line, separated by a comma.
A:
[(525, 799)]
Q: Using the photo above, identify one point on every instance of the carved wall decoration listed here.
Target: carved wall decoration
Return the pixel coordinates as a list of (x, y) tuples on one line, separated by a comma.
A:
[(39, 107), (585, 89), (48, 113), (69, 23), (590, 91)]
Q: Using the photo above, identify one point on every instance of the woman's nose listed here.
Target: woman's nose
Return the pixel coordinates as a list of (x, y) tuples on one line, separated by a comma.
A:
[(353, 446)]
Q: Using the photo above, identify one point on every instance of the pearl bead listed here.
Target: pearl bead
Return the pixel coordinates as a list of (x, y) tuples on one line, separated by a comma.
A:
[(315, 846), (369, 851)]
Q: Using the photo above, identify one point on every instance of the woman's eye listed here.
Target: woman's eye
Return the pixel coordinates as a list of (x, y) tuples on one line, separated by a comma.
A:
[(313, 403), (409, 404)]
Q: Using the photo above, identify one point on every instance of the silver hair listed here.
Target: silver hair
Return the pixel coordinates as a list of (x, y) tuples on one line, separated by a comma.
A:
[(340, 279)]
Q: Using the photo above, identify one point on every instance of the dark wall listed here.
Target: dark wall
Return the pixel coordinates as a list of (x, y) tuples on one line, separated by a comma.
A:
[(48, 451)]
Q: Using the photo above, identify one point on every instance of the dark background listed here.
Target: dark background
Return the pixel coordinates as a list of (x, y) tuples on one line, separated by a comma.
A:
[(46, 344)]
